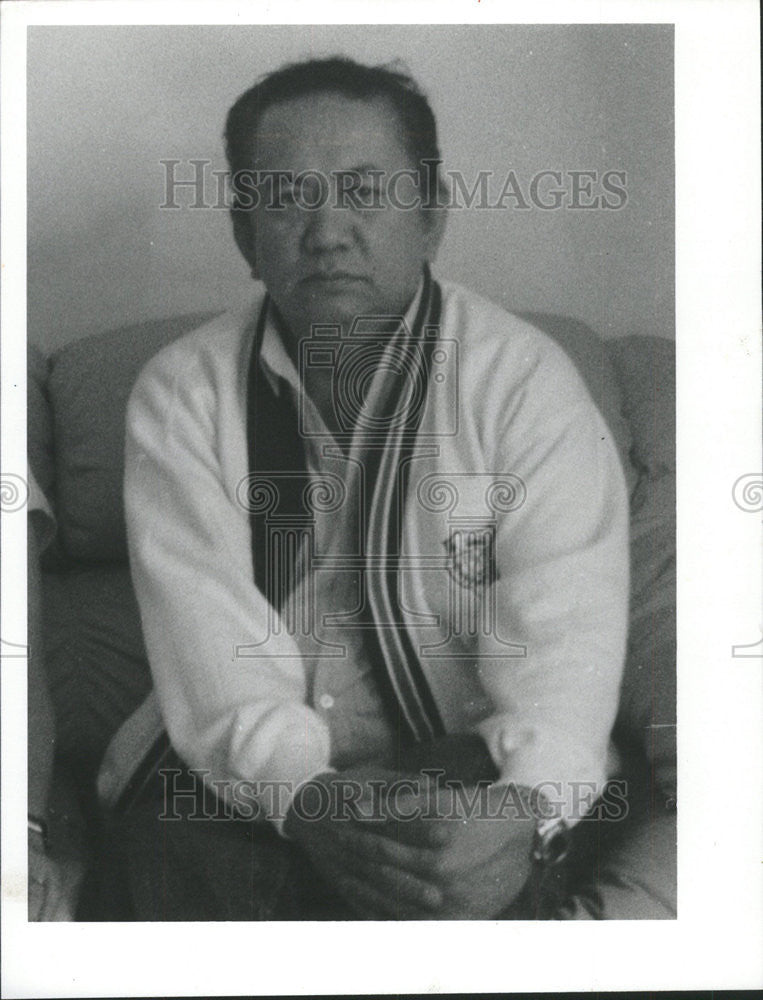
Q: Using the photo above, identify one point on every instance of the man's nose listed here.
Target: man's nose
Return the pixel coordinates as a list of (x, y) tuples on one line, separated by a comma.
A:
[(327, 229)]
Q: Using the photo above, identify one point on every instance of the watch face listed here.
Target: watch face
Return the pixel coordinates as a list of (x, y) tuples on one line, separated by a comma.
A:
[(37, 835), (36, 842), (553, 842)]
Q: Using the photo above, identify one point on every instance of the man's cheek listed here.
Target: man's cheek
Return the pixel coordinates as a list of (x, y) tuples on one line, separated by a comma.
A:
[(277, 264), (273, 228)]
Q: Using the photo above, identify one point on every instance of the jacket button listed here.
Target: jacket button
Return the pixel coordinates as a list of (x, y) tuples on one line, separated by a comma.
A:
[(326, 701)]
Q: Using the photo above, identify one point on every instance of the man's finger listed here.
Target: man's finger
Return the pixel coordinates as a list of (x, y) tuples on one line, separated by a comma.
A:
[(405, 886), (370, 844), (371, 902), (36, 900), (487, 890), (414, 818), (428, 833)]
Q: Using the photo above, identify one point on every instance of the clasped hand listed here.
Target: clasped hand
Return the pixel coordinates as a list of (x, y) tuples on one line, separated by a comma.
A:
[(399, 848)]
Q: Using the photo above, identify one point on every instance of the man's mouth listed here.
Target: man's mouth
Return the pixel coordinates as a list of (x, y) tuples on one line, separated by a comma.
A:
[(333, 278)]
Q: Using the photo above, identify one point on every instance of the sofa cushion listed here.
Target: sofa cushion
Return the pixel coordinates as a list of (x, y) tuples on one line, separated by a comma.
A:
[(89, 384), (635, 393), (95, 658), (646, 367), (40, 450), (648, 697), (589, 354), (39, 441)]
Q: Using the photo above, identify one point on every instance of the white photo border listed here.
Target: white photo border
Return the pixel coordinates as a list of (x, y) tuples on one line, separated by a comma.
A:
[(716, 940)]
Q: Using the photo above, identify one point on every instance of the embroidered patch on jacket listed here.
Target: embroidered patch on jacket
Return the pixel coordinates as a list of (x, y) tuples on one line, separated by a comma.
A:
[(471, 554)]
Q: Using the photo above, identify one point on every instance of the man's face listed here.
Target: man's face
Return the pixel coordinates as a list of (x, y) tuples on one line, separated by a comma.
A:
[(335, 262)]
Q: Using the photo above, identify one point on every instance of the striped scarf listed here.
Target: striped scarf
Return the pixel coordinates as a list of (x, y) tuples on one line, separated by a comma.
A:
[(398, 361)]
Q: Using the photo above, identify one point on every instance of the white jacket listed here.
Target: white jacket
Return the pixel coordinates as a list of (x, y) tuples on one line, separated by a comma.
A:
[(519, 451)]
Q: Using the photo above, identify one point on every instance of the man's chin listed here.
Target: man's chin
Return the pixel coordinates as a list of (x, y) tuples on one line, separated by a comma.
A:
[(334, 305)]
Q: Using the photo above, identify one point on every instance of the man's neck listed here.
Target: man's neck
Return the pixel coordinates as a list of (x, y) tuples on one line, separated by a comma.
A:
[(314, 382), (292, 337)]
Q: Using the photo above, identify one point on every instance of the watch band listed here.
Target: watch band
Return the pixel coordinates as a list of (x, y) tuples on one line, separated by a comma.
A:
[(551, 842), (38, 827)]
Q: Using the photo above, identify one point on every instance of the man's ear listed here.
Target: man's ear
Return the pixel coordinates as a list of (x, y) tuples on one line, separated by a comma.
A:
[(244, 237)]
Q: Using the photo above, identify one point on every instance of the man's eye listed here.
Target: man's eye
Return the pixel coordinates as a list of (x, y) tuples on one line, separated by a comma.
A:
[(370, 194)]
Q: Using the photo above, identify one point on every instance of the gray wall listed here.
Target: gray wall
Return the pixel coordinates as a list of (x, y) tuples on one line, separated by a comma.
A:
[(106, 104)]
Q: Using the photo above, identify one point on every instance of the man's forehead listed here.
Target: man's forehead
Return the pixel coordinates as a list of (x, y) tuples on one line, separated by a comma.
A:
[(329, 129)]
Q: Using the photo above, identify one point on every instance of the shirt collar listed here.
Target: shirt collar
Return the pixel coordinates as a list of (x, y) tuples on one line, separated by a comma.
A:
[(276, 363)]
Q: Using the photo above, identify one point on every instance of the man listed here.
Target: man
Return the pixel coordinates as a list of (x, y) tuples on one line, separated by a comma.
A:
[(378, 534)]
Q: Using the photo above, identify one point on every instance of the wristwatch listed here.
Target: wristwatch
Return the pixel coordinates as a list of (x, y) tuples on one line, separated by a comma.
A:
[(38, 828), (551, 842)]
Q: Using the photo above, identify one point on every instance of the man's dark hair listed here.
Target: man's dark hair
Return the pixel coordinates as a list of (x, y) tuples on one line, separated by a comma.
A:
[(350, 79)]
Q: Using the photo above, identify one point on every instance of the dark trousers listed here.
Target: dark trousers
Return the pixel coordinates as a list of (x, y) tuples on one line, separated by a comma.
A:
[(186, 860), (194, 869), (189, 861)]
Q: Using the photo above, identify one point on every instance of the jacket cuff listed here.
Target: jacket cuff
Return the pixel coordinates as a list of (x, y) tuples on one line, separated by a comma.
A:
[(279, 820), (569, 776)]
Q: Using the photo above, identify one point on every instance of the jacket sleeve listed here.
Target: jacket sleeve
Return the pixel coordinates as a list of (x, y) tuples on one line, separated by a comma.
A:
[(233, 715), (561, 589)]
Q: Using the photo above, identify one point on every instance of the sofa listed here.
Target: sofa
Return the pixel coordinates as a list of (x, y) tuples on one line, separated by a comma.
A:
[(94, 652)]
